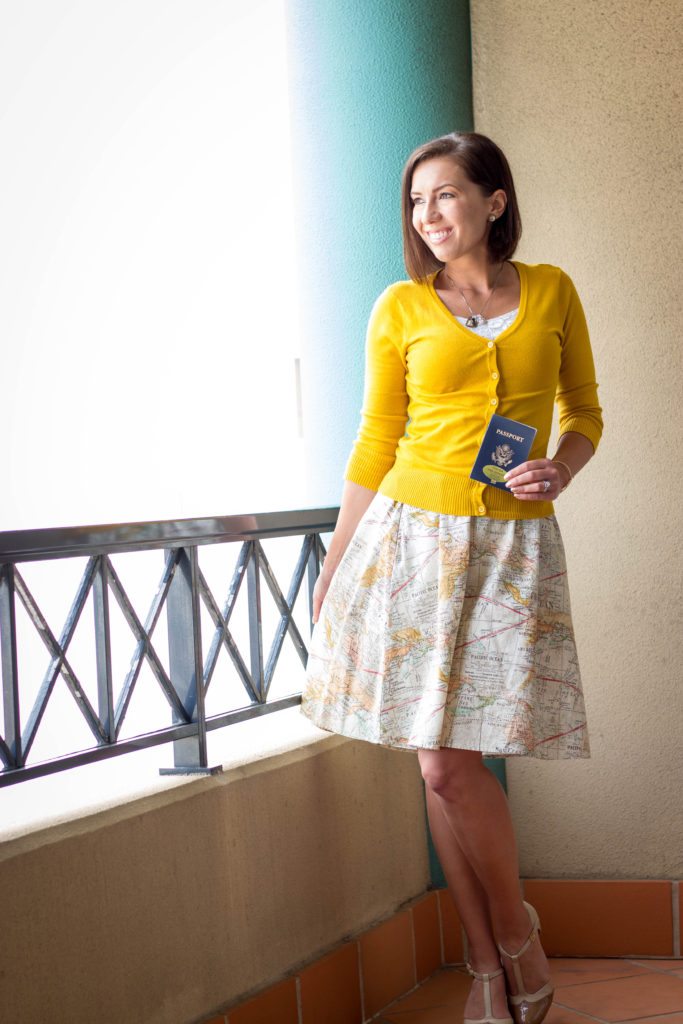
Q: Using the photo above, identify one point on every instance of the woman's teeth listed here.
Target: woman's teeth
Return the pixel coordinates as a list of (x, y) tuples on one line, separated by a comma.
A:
[(438, 236)]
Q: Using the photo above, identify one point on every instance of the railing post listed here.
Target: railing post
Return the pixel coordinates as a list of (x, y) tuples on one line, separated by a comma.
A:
[(10, 682), (255, 623), (312, 573), (105, 690), (186, 666)]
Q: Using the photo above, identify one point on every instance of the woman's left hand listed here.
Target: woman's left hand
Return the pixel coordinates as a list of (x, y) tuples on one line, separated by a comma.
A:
[(526, 481)]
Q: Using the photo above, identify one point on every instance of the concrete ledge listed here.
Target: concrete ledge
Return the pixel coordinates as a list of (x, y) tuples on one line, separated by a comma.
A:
[(69, 803), (164, 907)]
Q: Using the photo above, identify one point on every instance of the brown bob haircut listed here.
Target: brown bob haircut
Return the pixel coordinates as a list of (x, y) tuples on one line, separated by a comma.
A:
[(486, 166)]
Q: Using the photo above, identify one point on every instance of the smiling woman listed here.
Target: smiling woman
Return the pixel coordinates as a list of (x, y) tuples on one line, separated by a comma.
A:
[(139, 371), (443, 618), (482, 191), (454, 218)]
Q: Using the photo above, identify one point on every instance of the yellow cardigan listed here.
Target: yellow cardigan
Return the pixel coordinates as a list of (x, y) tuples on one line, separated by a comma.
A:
[(431, 386)]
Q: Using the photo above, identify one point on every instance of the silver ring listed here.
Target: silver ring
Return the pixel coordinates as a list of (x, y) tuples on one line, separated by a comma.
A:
[(546, 485)]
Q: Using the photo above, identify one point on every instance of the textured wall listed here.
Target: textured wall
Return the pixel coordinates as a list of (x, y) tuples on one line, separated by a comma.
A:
[(368, 83), (584, 98)]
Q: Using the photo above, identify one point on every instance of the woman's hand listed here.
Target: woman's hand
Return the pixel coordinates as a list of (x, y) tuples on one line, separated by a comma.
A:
[(319, 591), (355, 502), (526, 480)]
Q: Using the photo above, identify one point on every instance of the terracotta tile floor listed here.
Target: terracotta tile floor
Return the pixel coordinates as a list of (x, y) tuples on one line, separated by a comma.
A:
[(605, 990)]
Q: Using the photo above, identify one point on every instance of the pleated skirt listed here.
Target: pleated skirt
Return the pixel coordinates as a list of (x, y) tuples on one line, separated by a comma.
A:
[(449, 631)]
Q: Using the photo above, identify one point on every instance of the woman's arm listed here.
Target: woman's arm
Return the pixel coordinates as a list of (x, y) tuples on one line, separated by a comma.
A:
[(355, 502), (385, 399), (383, 422), (575, 450), (580, 414)]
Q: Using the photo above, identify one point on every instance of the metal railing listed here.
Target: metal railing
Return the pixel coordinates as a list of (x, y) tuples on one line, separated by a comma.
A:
[(181, 588)]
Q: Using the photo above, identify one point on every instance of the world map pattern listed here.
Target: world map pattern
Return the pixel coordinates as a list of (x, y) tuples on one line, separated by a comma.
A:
[(449, 631)]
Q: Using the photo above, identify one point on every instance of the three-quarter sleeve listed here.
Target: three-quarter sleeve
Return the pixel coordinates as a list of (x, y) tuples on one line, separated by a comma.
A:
[(385, 399), (577, 390)]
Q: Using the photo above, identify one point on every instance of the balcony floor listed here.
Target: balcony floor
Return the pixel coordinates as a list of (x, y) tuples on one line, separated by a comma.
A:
[(606, 990)]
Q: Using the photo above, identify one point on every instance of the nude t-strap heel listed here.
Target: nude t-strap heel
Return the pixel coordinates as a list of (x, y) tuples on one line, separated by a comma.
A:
[(488, 1017), (528, 1007)]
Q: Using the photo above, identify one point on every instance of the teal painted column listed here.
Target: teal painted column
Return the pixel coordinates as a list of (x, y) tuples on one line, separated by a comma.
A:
[(369, 81)]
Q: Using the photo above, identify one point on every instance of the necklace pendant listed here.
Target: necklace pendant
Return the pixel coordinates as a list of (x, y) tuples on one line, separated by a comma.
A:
[(472, 321)]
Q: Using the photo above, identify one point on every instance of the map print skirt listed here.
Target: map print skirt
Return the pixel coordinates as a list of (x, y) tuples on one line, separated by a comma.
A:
[(449, 631)]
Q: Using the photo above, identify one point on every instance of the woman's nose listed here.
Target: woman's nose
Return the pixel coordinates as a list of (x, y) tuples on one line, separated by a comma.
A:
[(431, 210)]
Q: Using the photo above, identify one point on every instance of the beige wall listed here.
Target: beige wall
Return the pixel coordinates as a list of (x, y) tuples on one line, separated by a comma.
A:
[(161, 910), (585, 100)]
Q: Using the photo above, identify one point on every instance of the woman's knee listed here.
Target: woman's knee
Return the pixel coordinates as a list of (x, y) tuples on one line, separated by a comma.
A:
[(448, 769)]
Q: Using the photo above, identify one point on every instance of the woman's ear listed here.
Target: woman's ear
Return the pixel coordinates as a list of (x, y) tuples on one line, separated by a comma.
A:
[(499, 200)]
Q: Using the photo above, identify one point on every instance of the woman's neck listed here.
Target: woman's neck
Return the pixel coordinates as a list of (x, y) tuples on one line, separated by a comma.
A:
[(472, 275)]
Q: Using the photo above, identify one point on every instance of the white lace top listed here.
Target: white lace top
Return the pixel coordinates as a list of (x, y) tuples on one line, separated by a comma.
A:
[(495, 326)]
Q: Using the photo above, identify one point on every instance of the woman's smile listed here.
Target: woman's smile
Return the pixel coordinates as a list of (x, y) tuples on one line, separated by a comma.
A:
[(435, 237)]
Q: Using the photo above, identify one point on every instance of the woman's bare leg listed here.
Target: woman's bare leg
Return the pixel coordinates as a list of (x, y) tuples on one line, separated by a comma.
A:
[(472, 905), (476, 809)]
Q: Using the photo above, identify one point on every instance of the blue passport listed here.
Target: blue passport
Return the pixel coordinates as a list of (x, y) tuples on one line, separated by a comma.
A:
[(506, 444)]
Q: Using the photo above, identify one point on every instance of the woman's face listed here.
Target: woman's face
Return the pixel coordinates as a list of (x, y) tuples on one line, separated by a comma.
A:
[(450, 212)]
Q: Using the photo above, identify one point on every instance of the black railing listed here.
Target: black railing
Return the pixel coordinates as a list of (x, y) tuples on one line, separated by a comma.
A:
[(181, 589)]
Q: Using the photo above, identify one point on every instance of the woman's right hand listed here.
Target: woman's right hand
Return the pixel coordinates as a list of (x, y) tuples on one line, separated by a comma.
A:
[(319, 590)]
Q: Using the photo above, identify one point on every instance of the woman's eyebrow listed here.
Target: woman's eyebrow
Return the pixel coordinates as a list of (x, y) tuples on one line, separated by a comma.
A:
[(443, 184)]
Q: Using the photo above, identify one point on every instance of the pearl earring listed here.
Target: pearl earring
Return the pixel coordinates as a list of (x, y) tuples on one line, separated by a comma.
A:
[(492, 216)]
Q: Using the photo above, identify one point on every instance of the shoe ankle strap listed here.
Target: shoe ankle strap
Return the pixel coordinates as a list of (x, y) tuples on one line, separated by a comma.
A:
[(523, 949), (483, 977)]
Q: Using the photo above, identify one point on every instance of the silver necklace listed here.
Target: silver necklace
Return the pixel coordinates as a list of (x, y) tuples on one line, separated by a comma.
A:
[(475, 319)]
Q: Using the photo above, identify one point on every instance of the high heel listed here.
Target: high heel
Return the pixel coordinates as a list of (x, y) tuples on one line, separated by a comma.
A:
[(488, 1017), (528, 1007)]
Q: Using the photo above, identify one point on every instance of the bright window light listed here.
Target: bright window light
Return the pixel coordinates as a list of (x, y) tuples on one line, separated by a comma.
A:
[(148, 316), (147, 294)]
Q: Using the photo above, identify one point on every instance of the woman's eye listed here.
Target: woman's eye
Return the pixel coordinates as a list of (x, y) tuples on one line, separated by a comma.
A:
[(447, 195)]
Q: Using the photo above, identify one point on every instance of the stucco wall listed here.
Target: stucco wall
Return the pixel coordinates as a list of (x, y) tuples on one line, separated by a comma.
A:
[(585, 100)]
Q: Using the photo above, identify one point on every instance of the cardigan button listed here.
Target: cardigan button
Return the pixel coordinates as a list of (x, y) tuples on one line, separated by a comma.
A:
[(481, 510), (494, 401), (490, 344)]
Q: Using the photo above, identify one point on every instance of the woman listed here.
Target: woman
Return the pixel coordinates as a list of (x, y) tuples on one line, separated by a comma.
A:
[(442, 614)]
